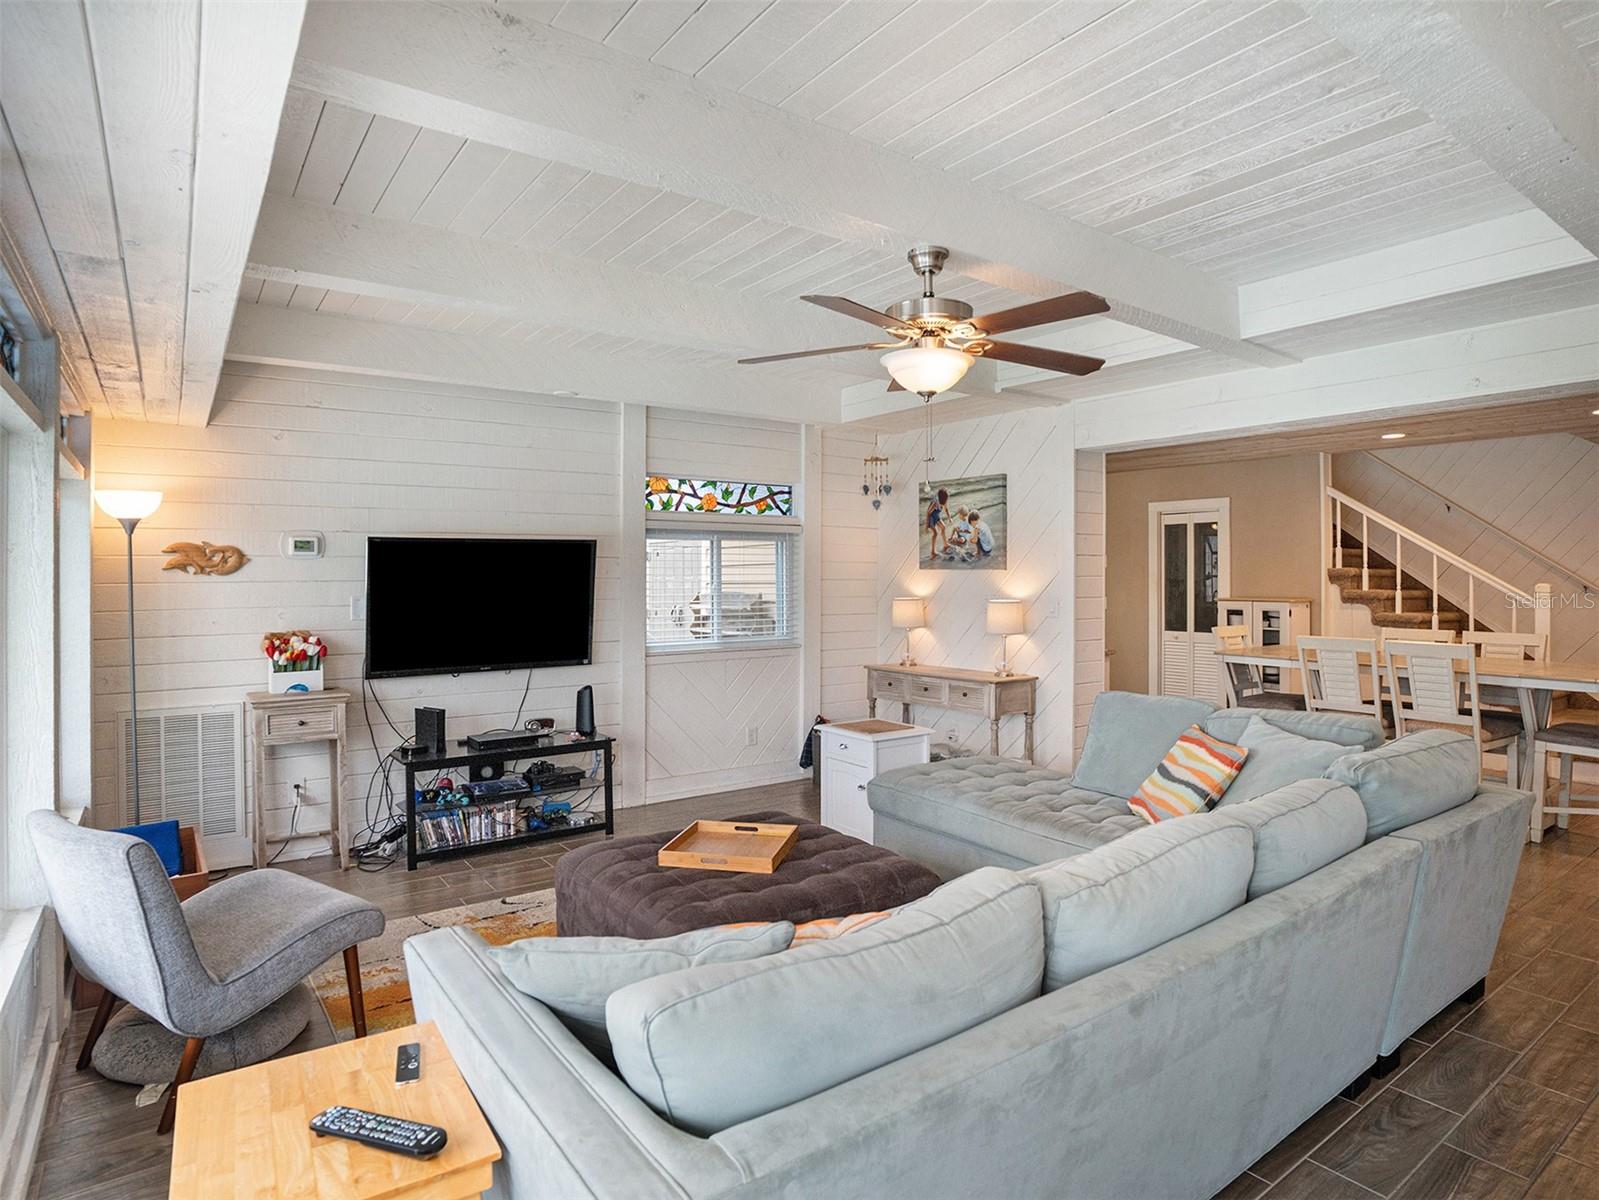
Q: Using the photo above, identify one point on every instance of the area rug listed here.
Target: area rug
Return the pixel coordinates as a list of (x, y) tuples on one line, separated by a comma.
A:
[(384, 985)]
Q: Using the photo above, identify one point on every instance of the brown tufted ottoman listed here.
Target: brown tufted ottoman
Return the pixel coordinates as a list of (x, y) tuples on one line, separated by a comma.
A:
[(615, 888)]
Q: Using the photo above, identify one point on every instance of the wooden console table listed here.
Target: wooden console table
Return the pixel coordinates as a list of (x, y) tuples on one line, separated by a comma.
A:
[(287, 720), (956, 690)]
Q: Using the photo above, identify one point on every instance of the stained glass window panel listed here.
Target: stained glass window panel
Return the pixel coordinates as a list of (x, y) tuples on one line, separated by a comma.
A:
[(664, 493)]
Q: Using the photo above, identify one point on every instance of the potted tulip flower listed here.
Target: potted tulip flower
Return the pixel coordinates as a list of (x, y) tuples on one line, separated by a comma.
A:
[(294, 661)]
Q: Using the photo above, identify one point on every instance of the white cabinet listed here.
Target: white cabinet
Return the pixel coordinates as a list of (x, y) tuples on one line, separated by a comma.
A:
[(1271, 623), (853, 752)]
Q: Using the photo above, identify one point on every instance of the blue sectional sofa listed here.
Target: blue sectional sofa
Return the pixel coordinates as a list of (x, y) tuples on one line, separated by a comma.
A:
[(1022, 1031)]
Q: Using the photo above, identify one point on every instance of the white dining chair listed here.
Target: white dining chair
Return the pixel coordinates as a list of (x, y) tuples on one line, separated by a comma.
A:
[(1425, 685), (1523, 647), (1570, 740), (1416, 635), (1242, 682), (1335, 678)]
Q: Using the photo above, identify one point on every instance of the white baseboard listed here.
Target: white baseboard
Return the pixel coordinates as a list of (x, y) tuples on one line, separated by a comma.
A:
[(708, 783)]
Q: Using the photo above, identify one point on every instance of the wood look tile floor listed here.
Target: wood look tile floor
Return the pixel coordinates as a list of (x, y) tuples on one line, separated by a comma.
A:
[(1497, 1100)]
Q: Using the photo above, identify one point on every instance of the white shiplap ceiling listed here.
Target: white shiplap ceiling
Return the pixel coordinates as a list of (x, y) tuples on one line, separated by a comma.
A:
[(1208, 165)]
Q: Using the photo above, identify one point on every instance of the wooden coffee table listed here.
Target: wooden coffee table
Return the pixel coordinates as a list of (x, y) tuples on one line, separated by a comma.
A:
[(246, 1133)]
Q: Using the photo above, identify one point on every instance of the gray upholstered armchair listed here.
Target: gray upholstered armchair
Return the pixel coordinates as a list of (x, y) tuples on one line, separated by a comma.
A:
[(202, 966)]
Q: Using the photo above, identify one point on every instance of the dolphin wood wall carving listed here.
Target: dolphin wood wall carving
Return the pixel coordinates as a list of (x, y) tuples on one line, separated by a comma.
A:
[(202, 558)]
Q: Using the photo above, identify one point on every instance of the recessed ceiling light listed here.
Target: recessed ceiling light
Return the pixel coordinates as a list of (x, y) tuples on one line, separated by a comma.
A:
[(1392, 437)]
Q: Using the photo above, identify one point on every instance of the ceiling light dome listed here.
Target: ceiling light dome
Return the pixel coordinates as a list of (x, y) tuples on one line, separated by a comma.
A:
[(927, 368)]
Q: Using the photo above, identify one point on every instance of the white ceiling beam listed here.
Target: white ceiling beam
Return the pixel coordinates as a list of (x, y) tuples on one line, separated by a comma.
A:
[(1557, 351), (1504, 79), (489, 74), (1498, 251), (146, 61), (47, 93), (297, 338), (312, 245), (246, 54), (35, 290)]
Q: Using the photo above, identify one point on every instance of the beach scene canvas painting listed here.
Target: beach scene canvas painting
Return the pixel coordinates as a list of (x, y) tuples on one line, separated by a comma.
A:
[(963, 524)]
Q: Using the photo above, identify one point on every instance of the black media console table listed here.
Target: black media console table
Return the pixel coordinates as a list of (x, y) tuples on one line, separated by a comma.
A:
[(580, 795)]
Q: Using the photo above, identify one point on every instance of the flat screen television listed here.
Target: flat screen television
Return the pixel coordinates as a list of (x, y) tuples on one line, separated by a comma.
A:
[(449, 605)]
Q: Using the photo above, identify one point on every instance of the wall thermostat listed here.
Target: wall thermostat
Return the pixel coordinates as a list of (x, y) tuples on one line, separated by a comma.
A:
[(301, 545)]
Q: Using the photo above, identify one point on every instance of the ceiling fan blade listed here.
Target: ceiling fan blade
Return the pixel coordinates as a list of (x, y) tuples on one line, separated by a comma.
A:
[(1038, 356), (1042, 312), (765, 358), (850, 308)]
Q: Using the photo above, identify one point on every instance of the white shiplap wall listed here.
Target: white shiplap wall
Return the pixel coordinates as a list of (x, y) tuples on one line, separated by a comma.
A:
[(849, 574), (347, 457), (1091, 670), (701, 706), (1033, 449), (1541, 490)]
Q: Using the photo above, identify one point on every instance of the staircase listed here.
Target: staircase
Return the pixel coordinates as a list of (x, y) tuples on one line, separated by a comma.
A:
[(1402, 592), (1393, 605)]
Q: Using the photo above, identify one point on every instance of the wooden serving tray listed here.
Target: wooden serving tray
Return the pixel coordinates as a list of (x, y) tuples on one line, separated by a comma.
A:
[(729, 846)]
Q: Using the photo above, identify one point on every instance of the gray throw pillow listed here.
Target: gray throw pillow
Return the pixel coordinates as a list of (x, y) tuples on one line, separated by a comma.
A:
[(714, 1047), (1157, 883), (1300, 828), (1412, 778), (1277, 758), (574, 976)]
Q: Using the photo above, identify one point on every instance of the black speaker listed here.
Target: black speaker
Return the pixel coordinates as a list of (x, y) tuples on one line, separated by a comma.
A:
[(430, 730), (583, 722), (482, 772)]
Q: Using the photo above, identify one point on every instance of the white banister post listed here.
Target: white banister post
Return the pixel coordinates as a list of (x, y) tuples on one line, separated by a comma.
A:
[(1365, 553), (1543, 612)]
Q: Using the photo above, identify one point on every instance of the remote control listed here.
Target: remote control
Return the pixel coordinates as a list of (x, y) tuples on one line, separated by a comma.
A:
[(374, 1129), (408, 1063)]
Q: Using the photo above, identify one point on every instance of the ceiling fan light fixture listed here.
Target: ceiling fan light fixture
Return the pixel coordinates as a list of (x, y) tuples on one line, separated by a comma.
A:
[(927, 370)]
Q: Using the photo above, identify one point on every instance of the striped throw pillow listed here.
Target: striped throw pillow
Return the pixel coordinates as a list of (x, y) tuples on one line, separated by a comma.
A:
[(1191, 778)]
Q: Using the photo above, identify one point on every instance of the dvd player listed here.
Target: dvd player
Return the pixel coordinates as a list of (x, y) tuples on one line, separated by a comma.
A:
[(509, 739)]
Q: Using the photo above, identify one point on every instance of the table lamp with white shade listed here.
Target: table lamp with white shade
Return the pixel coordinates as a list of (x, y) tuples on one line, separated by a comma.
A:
[(1006, 617), (909, 614), (129, 508)]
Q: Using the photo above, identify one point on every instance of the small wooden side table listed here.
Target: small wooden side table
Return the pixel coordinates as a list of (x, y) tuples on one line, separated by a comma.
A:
[(290, 719), (246, 1133)]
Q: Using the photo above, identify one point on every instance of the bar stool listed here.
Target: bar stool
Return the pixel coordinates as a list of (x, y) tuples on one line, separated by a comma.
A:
[(1570, 740)]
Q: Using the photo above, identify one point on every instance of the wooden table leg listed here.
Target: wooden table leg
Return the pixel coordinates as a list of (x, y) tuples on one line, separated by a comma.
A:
[(993, 737), (1028, 717), (258, 799)]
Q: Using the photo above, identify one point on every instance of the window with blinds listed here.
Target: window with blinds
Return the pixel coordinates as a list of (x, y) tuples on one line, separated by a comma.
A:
[(714, 587)]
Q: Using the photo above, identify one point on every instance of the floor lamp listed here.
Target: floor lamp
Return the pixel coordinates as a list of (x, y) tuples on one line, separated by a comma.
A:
[(128, 509)]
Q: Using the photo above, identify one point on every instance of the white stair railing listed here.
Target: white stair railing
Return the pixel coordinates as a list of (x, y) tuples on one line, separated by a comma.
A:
[(1481, 585)]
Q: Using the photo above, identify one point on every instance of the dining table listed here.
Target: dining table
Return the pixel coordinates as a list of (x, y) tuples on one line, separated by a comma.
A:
[(1536, 684)]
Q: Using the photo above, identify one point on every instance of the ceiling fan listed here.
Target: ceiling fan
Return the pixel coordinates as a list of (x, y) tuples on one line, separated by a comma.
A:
[(937, 340)]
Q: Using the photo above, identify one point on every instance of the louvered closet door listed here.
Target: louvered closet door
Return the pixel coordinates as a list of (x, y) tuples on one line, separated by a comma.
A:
[(1190, 579)]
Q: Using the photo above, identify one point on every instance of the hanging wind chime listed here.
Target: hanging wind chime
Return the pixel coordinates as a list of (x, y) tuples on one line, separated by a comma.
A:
[(874, 478)]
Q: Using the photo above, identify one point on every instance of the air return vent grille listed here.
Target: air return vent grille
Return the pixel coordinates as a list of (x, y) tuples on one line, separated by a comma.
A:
[(191, 768)]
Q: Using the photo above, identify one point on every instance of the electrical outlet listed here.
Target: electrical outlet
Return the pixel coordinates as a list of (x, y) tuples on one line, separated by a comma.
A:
[(950, 737), (357, 608), (752, 735)]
